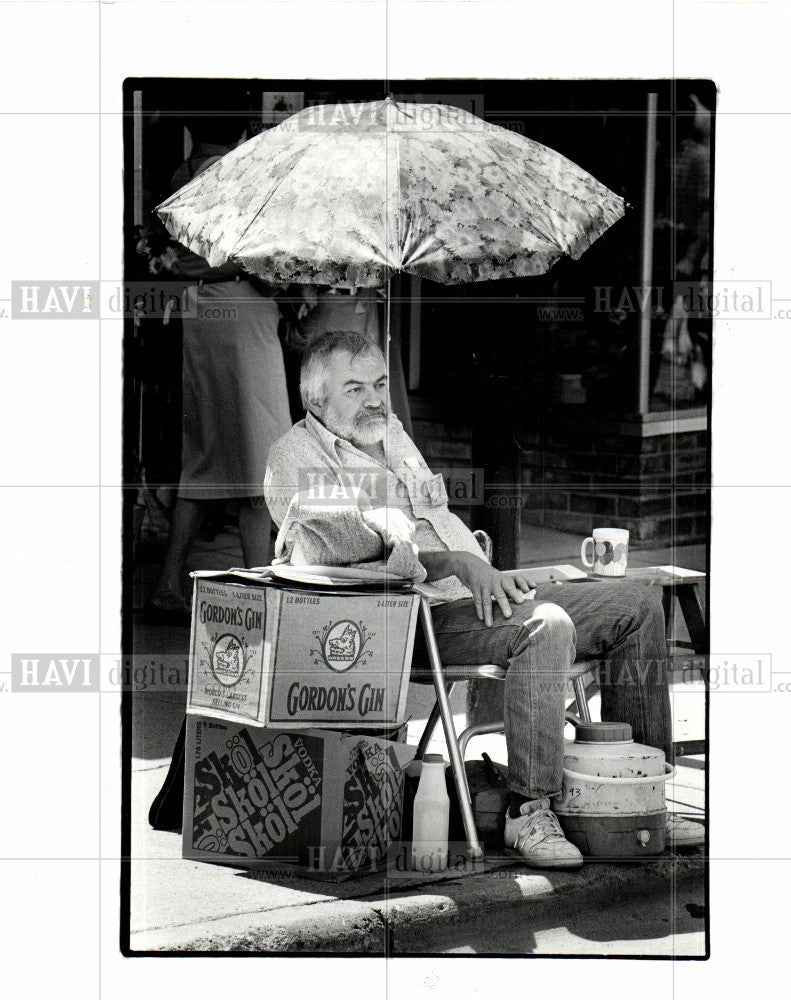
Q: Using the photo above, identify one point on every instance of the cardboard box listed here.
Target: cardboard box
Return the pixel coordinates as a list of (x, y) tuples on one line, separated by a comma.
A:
[(321, 800), (299, 657)]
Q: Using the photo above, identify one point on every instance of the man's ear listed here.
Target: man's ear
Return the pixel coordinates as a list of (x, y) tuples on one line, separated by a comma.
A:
[(316, 407)]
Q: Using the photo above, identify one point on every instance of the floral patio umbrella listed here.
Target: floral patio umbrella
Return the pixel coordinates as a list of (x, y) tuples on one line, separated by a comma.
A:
[(349, 194)]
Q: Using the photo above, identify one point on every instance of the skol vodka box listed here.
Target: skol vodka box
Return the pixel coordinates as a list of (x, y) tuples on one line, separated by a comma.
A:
[(299, 658), (320, 800)]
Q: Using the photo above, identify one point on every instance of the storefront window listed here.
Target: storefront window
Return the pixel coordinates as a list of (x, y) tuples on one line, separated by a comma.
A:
[(572, 338)]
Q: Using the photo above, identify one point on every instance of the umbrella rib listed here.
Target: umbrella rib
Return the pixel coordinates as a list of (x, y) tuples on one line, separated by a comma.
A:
[(272, 193)]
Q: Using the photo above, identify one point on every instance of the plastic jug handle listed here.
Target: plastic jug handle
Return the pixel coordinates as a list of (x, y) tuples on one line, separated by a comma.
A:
[(489, 767)]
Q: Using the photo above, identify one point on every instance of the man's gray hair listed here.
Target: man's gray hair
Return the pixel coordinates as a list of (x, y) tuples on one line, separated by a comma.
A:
[(316, 356)]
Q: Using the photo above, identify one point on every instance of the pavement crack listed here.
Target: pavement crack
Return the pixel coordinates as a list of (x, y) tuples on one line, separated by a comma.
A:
[(387, 929), (208, 919)]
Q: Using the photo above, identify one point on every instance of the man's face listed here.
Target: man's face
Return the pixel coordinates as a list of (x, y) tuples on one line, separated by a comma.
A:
[(357, 403)]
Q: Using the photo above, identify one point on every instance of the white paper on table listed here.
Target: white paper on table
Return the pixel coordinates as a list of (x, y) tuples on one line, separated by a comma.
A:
[(550, 574), (679, 571)]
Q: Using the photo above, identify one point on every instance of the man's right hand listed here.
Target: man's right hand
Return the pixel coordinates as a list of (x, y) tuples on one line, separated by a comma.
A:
[(484, 581)]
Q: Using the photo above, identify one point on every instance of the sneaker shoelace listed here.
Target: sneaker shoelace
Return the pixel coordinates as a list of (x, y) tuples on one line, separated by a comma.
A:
[(542, 822)]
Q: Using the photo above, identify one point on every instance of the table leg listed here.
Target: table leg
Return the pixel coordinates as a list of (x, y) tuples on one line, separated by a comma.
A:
[(693, 616), (669, 607)]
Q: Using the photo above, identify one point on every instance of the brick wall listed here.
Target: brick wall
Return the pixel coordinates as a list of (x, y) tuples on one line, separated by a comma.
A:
[(654, 486), (577, 480), (446, 447)]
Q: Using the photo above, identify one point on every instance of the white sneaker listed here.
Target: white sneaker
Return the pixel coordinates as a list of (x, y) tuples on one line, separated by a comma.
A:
[(537, 835), (681, 832)]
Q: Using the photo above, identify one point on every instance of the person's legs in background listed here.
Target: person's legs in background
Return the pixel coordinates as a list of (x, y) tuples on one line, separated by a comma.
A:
[(255, 528), (187, 517)]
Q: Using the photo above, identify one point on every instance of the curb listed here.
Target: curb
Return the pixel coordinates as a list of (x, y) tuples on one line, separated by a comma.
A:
[(336, 926), (398, 924)]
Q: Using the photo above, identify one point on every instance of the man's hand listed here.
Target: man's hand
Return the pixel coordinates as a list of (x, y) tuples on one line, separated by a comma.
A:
[(483, 580)]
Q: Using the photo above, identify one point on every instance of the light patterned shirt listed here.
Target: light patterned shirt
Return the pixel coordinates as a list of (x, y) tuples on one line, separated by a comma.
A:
[(327, 498)]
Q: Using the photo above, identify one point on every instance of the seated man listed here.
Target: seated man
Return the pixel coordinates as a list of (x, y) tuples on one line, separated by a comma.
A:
[(347, 485)]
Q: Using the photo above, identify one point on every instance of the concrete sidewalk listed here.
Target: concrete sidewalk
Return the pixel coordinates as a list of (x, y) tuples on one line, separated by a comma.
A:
[(179, 905)]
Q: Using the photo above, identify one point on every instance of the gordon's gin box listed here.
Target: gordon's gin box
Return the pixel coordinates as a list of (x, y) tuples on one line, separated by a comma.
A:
[(323, 801), (299, 658)]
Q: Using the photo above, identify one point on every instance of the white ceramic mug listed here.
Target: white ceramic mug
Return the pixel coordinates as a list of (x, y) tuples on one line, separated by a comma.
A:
[(610, 551)]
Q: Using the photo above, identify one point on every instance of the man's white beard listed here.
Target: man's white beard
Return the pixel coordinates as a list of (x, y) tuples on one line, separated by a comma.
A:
[(365, 432), (370, 433)]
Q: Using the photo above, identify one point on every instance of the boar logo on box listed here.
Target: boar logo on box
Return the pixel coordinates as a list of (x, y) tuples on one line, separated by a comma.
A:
[(342, 644), (228, 658)]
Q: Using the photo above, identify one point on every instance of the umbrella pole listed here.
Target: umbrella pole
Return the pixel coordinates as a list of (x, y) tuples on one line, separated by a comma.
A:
[(387, 329)]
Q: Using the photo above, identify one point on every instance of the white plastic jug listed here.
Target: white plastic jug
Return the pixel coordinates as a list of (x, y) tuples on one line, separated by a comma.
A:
[(612, 802), (431, 815)]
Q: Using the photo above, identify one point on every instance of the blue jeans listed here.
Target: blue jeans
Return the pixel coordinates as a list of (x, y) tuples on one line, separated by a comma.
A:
[(618, 623)]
